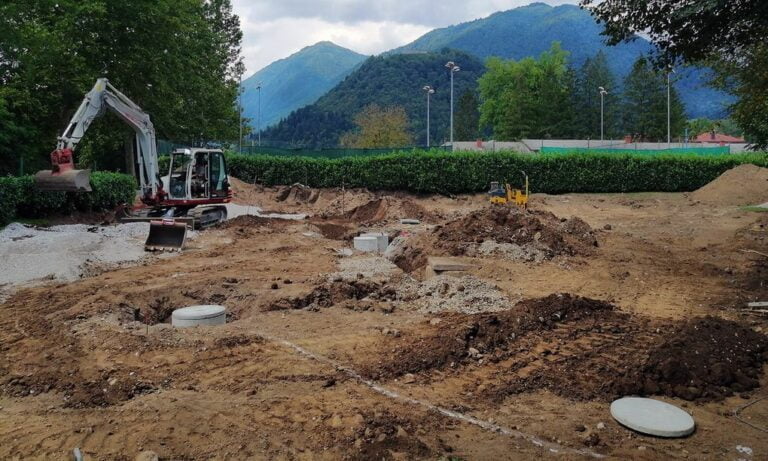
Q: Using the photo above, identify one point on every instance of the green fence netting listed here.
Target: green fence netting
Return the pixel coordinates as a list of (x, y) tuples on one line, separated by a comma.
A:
[(719, 150)]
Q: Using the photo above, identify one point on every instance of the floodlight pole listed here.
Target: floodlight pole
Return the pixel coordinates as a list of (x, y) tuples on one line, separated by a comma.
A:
[(602, 95), (240, 113), (669, 108), (258, 116), (429, 90), (452, 68)]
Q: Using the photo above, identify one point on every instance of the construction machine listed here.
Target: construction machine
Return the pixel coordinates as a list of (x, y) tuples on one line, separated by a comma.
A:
[(503, 195), (193, 193)]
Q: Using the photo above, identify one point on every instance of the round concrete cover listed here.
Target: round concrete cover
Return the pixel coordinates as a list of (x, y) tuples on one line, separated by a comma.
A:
[(652, 417), (199, 312)]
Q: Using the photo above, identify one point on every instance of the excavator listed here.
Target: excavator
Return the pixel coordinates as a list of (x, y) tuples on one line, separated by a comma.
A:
[(193, 193)]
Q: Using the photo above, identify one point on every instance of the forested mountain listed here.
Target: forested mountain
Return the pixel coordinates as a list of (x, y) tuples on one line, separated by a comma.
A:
[(395, 80), (530, 30), (298, 80)]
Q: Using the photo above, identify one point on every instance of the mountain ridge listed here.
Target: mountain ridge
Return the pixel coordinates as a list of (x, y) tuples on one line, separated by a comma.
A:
[(296, 81)]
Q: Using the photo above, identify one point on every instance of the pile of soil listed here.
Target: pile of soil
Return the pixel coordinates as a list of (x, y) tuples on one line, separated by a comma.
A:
[(297, 193), (388, 208), (538, 230), (455, 338), (582, 349), (337, 292), (742, 185), (704, 358)]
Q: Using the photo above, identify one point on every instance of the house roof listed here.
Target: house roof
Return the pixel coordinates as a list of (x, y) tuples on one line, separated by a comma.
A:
[(718, 138)]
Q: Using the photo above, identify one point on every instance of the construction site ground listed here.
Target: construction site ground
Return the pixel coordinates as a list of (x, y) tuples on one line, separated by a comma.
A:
[(332, 354)]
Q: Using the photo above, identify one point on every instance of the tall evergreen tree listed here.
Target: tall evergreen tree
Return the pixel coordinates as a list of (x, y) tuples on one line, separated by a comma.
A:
[(467, 117), (645, 104), (592, 75)]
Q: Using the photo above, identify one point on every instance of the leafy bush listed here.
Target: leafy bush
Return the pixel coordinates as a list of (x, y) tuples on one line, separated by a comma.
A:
[(460, 172), (34, 203), (19, 197), (109, 190), (9, 198)]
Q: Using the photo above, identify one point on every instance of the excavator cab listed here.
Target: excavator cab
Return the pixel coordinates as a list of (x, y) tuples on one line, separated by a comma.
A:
[(197, 175)]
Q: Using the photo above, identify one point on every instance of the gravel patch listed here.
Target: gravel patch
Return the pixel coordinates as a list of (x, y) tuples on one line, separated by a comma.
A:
[(466, 294), (367, 266), (67, 252)]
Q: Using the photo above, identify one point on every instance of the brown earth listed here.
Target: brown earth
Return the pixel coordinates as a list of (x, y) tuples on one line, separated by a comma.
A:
[(743, 185), (660, 303)]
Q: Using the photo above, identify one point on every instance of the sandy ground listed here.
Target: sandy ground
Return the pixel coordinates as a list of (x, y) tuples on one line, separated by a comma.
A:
[(309, 366)]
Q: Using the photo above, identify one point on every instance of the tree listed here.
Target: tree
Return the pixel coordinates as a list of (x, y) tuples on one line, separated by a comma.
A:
[(728, 35), (379, 128), (467, 117), (177, 59), (528, 98), (592, 75), (645, 104)]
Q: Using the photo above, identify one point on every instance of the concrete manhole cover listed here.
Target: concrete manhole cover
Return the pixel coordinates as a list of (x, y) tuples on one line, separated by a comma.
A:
[(199, 315), (652, 417)]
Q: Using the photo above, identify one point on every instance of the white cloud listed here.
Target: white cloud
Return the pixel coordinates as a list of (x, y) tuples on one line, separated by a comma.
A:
[(275, 29)]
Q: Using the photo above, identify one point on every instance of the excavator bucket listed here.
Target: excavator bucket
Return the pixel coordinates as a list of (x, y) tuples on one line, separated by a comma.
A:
[(64, 181), (166, 234)]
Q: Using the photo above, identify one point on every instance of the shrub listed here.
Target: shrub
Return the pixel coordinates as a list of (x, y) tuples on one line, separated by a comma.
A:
[(466, 172), (109, 190), (19, 197), (9, 198)]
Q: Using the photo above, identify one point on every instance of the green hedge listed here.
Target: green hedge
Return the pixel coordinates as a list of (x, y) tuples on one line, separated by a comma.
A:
[(20, 198), (420, 171)]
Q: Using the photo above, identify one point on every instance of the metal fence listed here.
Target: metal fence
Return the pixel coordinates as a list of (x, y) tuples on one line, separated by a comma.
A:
[(328, 152)]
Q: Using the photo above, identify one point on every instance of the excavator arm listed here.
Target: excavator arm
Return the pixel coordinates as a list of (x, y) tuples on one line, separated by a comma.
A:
[(64, 177)]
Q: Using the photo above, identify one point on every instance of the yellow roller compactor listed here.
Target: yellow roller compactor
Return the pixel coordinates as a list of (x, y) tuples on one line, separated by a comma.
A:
[(503, 195), (193, 192)]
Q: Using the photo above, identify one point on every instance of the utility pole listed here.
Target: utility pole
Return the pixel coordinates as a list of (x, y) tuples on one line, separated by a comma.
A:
[(452, 68), (602, 95), (240, 112), (669, 108), (430, 91), (258, 116)]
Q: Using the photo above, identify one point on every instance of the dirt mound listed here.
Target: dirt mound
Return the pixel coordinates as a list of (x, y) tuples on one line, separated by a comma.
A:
[(704, 358), (336, 230), (297, 193), (742, 185), (460, 337), (541, 233), (388, 209), (338, 292), (583, 349)]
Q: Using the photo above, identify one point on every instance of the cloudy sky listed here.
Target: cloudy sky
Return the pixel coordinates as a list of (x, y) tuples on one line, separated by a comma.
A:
[(274, 29)]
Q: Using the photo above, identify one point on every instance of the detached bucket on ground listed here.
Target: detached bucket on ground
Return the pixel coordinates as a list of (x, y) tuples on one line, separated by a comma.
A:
[(64, 181), (166, 234)]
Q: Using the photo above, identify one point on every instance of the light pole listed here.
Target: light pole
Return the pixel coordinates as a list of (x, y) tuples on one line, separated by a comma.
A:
[(670, 70), (430, 91), (258, 115), (602, 96), (452, 68), (240, 113)]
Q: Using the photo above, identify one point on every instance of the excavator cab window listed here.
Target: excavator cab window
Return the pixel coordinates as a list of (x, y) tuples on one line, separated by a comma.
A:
[(178, 179), (219, 183), (199, 186)]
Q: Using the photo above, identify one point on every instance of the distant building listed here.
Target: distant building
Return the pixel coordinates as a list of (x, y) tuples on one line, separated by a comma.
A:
[(712, 137)]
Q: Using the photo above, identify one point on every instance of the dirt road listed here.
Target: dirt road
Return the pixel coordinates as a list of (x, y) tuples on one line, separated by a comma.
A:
[(317, 362)]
